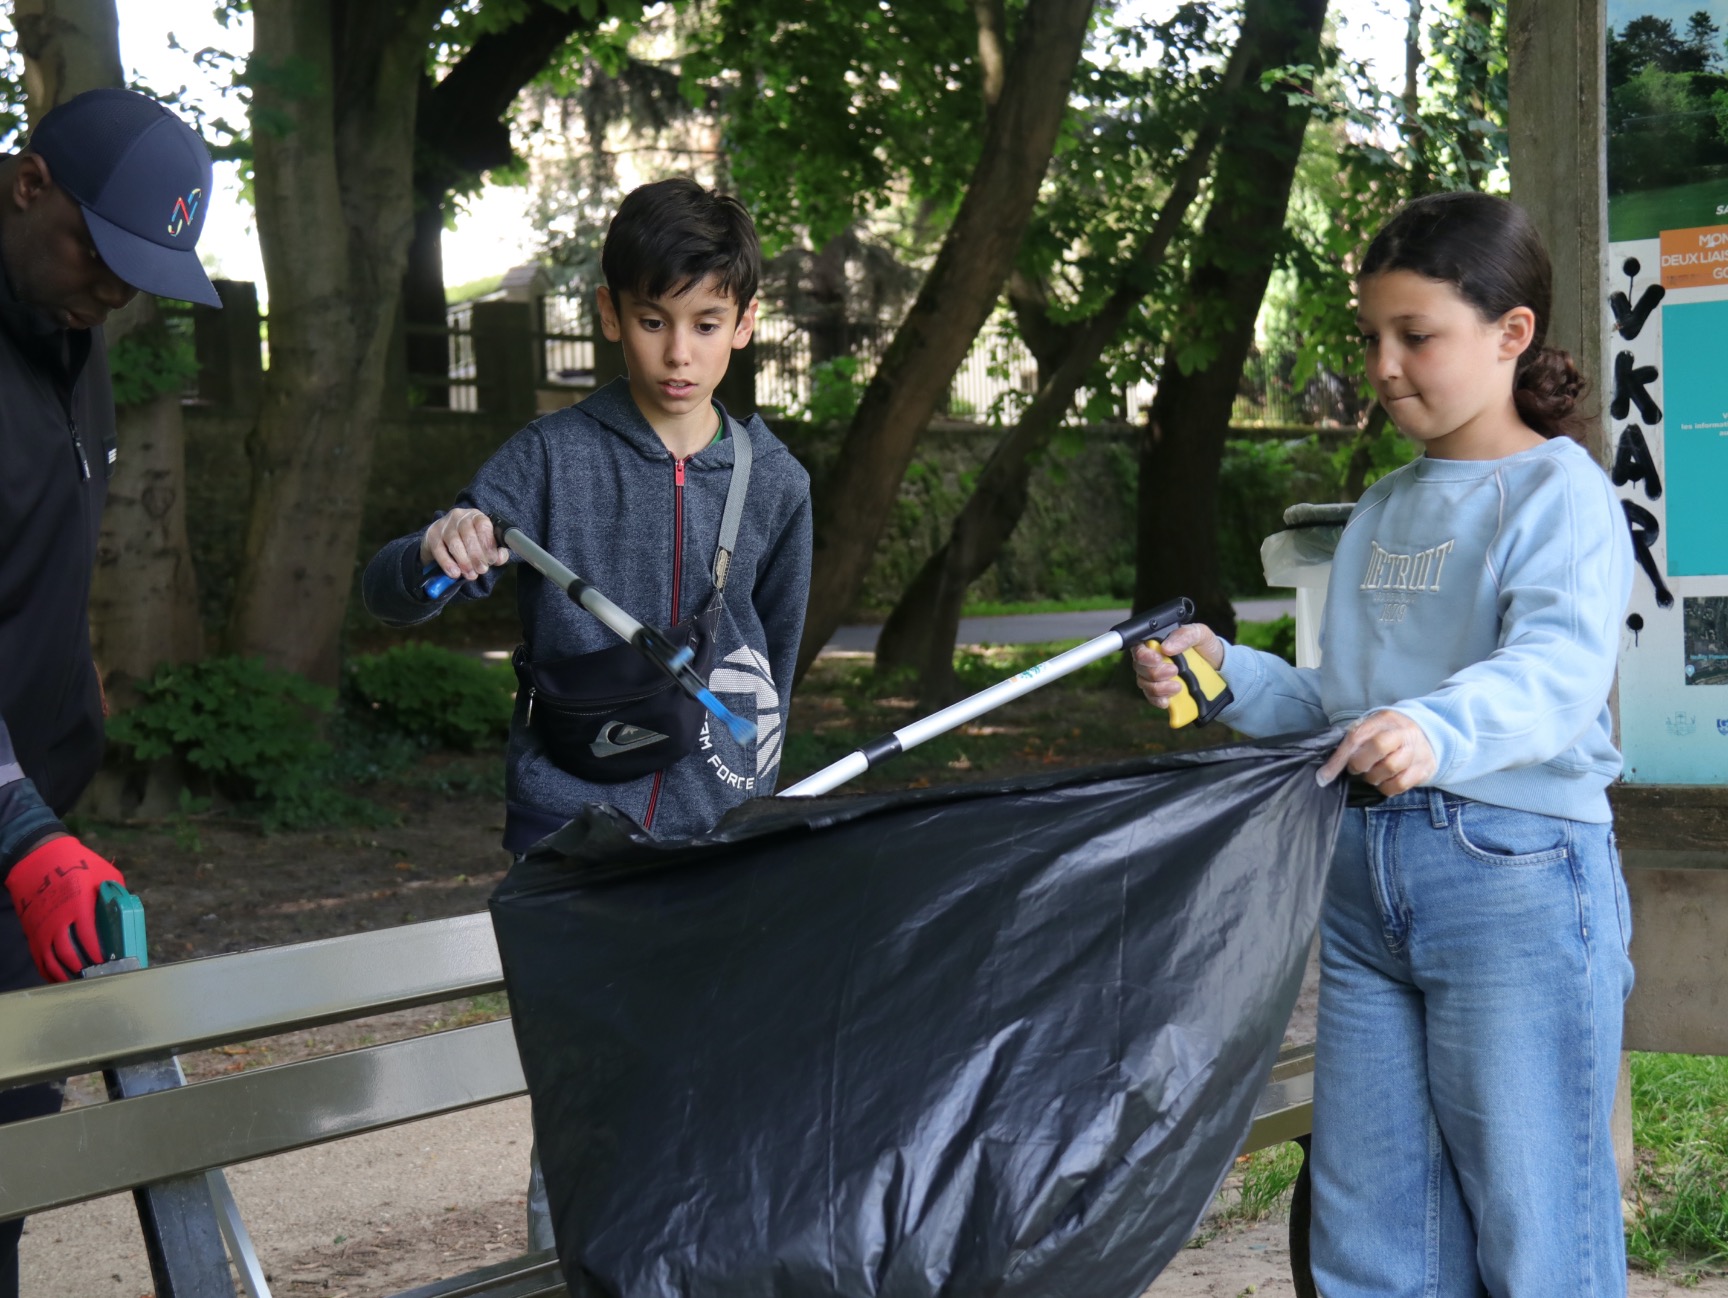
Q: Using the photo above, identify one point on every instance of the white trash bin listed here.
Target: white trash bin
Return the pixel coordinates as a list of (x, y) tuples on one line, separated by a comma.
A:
[(1301, 556)]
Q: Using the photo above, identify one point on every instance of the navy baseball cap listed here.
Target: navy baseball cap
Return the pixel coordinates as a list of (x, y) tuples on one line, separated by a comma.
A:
[(143, 178)]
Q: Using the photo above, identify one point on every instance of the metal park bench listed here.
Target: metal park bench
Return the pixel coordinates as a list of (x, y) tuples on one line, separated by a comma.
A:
[(167, 1140)]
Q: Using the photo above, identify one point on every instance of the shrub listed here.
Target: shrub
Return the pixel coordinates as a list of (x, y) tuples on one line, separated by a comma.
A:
[(1275, 637), (254, 733), (438, 698), (835, 391)]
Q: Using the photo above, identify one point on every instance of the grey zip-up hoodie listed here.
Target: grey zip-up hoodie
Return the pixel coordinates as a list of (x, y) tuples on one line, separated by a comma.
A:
[(596, 486)]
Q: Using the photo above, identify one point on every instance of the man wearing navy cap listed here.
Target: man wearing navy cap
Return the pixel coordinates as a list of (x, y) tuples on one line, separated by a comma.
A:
[(108, 199)]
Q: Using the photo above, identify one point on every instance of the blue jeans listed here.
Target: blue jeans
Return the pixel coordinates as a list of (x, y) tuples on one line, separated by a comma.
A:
[(1473, 973)]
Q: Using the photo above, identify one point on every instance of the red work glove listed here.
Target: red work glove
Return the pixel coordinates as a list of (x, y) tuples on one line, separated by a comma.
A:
[(54, 892)]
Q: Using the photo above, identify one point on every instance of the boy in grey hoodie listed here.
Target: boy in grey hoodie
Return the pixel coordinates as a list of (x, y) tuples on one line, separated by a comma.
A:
[(628, 489)]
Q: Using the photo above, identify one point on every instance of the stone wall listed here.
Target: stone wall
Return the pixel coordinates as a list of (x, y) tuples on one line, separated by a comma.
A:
[(1076, 538)]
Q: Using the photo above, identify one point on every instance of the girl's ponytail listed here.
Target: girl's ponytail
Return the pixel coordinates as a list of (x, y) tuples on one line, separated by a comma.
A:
[(1546, 393)]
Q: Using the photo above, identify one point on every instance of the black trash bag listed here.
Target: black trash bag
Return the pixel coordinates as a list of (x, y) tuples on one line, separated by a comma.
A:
[(1002, 1039)]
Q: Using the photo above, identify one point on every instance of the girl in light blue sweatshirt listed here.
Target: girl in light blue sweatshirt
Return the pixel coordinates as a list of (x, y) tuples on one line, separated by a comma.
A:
[(1474, 935)]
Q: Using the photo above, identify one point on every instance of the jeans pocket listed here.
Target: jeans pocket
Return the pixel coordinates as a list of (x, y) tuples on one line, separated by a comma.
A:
[(1504, 836), (1622, 900)]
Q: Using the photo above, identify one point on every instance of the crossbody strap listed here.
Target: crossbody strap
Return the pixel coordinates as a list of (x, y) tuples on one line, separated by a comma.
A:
[(742, 455)]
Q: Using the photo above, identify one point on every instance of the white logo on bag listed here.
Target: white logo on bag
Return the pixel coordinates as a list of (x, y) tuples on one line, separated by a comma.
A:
[(750, 676), (620, 737)]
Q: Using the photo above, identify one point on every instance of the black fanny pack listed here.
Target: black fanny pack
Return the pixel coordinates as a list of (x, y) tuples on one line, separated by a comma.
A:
[(612, 715)]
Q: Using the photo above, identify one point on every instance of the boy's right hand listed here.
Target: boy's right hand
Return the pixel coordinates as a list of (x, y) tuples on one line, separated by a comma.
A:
[(1155, 669), (462, 545)]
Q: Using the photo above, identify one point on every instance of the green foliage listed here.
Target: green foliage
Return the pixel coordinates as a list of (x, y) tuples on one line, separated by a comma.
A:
[(256, 734), (1390, 450), (13, 111), (1651, 42), (1680, 1188), (149, 363), (1257, 482), (1275, 637), (1664, 127), (434, 696), (831, 108), (835, 391), (1143, 90), (1453, 136)]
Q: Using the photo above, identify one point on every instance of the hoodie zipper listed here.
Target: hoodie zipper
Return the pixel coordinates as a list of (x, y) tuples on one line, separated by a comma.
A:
[(677, 577)]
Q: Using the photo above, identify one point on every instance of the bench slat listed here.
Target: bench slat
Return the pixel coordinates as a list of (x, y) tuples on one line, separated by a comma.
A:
[(47, 1033), (533, 1275), (248, 1115), (1285, 1108)]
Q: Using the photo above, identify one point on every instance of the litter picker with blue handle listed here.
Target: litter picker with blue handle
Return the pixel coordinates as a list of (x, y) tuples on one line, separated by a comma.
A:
[(653, 645)]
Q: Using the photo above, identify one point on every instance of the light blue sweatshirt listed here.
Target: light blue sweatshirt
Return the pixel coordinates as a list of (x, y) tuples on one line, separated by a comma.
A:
[(1483, 600)]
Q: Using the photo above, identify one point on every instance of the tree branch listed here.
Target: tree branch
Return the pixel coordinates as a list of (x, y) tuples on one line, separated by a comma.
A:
[(992, 19), (461, 129)]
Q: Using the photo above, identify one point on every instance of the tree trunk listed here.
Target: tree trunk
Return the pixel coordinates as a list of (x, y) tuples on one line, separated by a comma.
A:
[(335, 91), (1362, 454), (423, 304), (1183, 443), (830, 326), (69, 46), (921, 631), (460, 132), (144, 589), (955, 301), (144, 596)]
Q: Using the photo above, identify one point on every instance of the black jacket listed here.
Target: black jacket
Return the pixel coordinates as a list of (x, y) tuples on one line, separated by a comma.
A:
[(56, 454)]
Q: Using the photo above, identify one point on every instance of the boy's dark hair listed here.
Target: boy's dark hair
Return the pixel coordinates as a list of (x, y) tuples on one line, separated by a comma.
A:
[(1488, 249), (672, 235)]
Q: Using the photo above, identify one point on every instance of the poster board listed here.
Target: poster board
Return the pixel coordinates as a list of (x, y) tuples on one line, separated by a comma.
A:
[(1665, 384)]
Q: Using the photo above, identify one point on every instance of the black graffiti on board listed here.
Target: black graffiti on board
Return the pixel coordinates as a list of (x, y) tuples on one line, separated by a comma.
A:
[(1629, 320), (1634, 463), (1645, 533), (1630, 389)]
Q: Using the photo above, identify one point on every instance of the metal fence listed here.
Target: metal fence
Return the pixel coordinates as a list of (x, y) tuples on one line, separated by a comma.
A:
[(565, 333), (993, 384), (459, 332), (565, 349)]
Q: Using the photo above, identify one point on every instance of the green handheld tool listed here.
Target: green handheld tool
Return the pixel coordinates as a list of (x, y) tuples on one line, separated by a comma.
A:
[(120, 925)]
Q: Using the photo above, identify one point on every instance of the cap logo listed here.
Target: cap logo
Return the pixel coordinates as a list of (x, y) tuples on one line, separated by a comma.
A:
[(185, 212)]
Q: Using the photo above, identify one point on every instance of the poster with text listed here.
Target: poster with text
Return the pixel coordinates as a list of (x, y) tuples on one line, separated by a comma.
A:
[(1665, 381)]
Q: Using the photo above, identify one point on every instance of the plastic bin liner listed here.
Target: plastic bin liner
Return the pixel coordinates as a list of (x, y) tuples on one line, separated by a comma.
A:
[(998, 1039)]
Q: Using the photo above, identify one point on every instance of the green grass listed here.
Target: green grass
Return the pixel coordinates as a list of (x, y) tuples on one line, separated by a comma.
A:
[(1680, 1189), (1645, 215), (1087, 604), (1258, 1187)]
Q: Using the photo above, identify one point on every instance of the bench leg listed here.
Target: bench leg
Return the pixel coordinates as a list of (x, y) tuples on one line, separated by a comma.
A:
[(1301, 1210), (178, 1217), (237, 1237), (182, 1239)]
